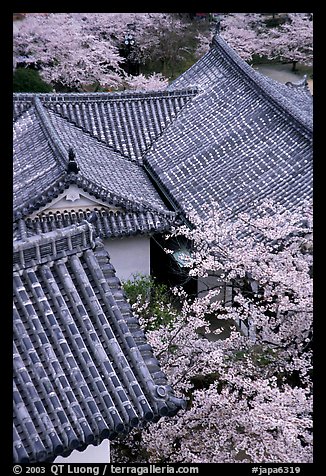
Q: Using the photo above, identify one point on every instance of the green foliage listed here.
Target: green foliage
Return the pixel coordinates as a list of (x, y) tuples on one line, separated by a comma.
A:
[(263, 356), (170, 70), (27, 80), (260, 355), (275, 22), (175, 53), (203, 381), (151, 300)]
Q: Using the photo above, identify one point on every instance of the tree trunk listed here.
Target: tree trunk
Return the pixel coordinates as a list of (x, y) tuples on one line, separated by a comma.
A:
[(294, 66), (171, 68), (163, 67)]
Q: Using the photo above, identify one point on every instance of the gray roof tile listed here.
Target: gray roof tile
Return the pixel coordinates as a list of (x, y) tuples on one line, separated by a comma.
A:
[(240, 132), (241, 139), (40, 167), (83, 370), (222, 64), (35, 166), (108, 224), (127, 122)]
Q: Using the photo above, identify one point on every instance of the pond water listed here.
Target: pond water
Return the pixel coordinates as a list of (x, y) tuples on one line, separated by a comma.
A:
[(282, 73)]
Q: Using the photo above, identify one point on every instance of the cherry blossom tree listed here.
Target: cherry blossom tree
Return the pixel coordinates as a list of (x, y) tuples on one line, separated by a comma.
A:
[(241, 31), (167, 41), (152, 82), (66, 52), (249, 397), (203, 43), (76, 50), (250, 35), (293, 40)]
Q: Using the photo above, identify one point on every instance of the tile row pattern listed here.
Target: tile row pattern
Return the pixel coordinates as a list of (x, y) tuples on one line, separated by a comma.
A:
[(41, 142), (297, 93), (236, 143), (126, 122), (83, 370), (35, 165), (108, 224), (222, 60)]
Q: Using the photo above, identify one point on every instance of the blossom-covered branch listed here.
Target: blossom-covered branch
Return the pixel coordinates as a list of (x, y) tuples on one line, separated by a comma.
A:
[(249, 397)]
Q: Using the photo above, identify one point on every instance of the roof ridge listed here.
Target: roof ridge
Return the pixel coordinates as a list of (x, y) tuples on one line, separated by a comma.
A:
[(152, 173), (265, 88), (91, 136), (91, 317), (53, 245), (54, 140), (43, 198), (47, 101), (301, 83), (108, 95)]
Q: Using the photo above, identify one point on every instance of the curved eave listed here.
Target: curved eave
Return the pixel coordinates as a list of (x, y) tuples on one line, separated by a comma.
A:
[(108, 223), (133, 387), (98, 192), (270, 93)]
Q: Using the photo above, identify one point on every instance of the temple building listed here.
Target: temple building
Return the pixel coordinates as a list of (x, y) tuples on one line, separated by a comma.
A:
[(99, 178)]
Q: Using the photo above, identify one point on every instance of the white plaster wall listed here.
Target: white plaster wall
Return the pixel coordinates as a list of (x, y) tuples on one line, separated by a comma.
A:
[(70, 200), (92, 454), (129, 255)]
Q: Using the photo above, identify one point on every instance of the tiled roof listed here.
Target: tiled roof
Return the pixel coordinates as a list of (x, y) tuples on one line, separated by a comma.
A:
[(108, 224), (238, 141), (220, 132), (298, 93), (127, 122), (35, 167), (83, 370), (222, 63), (41, 142)]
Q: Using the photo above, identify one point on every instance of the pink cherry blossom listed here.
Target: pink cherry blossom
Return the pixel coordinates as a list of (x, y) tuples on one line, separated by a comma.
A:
[(249, 396)]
